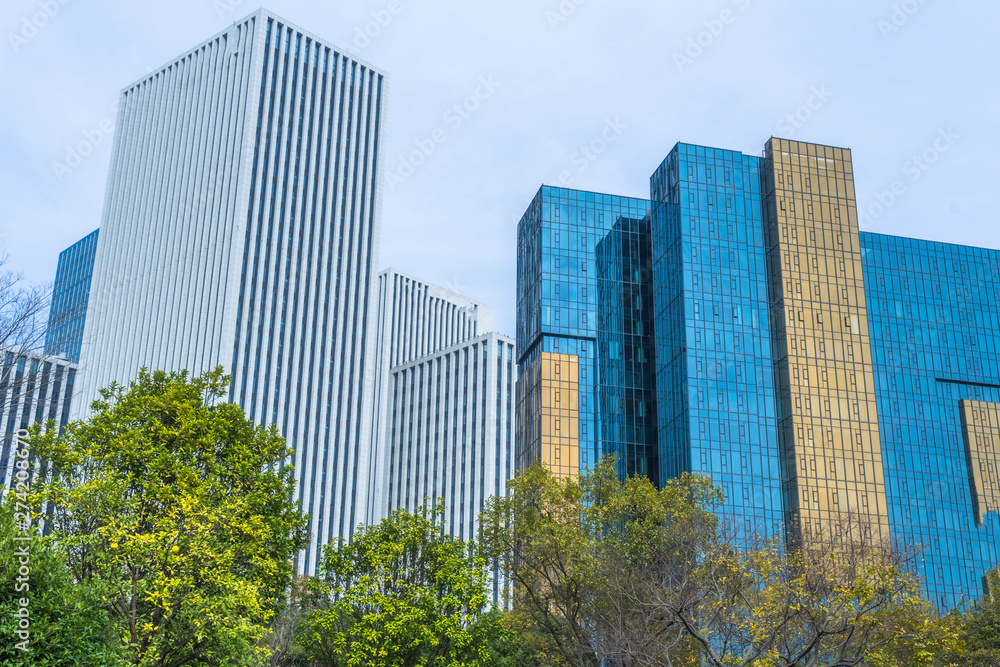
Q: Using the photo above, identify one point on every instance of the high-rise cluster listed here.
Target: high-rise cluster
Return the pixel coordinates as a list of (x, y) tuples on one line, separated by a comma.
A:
[(739, 324), (241, 229)]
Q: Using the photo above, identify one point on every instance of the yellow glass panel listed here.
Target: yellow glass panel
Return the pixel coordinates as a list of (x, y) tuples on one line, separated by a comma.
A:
[(560, 419), (981, 430), (827, 367)]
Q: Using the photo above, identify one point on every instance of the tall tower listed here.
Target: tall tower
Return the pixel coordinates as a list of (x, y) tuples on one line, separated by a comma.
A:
[(828, 425), (584, 364), (241, 228), (69, 299)]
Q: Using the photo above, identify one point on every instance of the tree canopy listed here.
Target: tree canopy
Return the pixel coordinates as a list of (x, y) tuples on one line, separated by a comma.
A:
[(401, 594), (179, 510), (619, 572)]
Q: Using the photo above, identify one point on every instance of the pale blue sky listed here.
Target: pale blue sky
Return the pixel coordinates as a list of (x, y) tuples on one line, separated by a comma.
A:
[(886, 78)]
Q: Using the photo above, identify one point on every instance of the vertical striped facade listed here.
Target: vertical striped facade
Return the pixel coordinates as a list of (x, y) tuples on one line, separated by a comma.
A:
[(451, 428), (241, 228), (34, 389), (414, 319)]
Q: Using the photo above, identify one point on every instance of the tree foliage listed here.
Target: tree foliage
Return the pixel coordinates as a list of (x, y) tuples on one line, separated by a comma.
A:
[(66, 623), (619, 572), (980, 628), (401, 593), (176, 507)]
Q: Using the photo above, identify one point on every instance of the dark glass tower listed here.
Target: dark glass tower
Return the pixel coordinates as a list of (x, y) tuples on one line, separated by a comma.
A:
[(69, 299)]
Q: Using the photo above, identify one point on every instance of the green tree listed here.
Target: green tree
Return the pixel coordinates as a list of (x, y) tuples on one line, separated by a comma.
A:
[(980, 628), (619, 572), (67, 625), (178, 508), (401, 594)]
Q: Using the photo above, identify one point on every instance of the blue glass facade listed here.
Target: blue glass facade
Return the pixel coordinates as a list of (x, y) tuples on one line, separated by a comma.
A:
[(934, 313), (811, 370), (557, 306), (626, 375), (715, 378), (69, 299)]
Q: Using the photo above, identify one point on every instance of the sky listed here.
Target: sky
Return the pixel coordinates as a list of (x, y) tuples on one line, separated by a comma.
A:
[(589, 94)]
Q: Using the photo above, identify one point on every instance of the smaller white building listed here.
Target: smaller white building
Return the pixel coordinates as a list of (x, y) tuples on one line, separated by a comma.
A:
[(34, 389), (450, 431)]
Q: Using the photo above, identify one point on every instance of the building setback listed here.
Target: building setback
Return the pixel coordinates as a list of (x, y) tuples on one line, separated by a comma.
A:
[(811, 369), (241, 229), (413, 319)]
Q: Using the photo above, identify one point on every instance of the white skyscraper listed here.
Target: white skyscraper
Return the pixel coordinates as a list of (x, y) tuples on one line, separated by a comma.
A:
[(34, 389), (450, 427), (241, 228)]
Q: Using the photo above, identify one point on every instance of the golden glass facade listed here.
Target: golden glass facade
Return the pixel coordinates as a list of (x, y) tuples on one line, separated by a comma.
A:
[(560, 412), (981, 429), (828, 422)]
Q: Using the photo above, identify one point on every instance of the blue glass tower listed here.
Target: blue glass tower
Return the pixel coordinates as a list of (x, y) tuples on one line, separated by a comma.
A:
[(558, 325), (715, 377), (69, 299), (934, 313), (815, 372)]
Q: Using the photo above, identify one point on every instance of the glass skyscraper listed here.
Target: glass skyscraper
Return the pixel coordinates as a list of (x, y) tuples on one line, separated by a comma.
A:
[(714, 373), (558, 327), (814, 371), (68, 313), (934, 316), (241, 229)]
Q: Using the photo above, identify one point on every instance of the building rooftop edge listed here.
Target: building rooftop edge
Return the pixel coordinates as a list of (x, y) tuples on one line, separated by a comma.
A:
[(263, 13), (457, 346)]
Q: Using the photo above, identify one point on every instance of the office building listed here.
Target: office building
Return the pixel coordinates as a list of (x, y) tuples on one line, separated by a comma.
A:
[(413, 319), (558, 330), (714, 372), (34, 389), (241, 229), (450, 430), (449, 419), (934, 317), (814, 371), (70, 293), (442, 424)]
